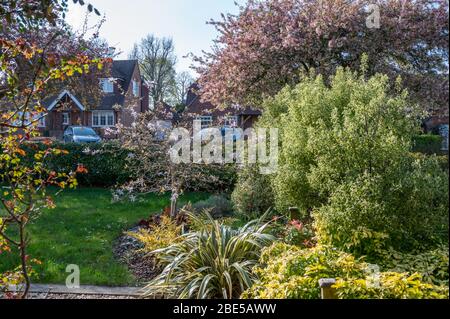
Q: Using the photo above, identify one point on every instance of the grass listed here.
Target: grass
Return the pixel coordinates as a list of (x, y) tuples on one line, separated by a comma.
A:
[(81, 231)]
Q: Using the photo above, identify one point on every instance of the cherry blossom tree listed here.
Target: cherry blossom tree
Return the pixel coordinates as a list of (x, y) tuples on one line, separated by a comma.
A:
[(270, 42), (151, 160)]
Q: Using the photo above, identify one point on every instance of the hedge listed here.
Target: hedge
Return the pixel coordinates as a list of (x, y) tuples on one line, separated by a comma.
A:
[(427, 144), (106, 164)]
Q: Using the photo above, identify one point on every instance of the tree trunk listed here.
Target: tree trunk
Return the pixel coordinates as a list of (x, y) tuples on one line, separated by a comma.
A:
[(173, 208), (23, 260), (173, 203)]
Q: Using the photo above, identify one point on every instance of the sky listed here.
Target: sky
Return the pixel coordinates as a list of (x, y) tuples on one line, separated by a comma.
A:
[(127, 21)]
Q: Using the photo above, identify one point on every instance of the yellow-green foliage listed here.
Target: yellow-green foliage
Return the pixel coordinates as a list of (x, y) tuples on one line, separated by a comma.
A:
[(392, 285), (291, 272), (432, 265), (346, 156), (214, 262), (161, 236)]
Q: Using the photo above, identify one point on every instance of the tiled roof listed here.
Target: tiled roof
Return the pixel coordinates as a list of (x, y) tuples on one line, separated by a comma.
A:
[(123, 71), (194, 105)]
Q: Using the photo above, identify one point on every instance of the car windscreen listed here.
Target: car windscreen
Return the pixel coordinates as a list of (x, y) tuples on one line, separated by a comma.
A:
[(84, 131)]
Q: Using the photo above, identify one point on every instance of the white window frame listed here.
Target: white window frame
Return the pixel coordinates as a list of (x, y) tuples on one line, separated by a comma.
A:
[(231, 121), (135, 88), (205, 121), (41, 120), (103, 115), (107, 85), (26, 119), (65, 118)]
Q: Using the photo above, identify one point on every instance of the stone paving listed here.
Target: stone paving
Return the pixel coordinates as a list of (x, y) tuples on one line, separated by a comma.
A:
[(40, 291)]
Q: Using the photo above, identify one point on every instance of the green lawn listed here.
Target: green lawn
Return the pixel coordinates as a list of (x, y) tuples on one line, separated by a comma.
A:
[(81, 231)]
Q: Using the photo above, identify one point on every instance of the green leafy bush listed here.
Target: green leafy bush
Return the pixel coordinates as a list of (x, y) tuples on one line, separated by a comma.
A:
[(108, 164), (427, 144), (221, 178), (346, 157), (289, 272), (105, 162), (432, 264), (252, 196), (214, 262), (370, 214), (392, 285), (216, 205), (299, 234)]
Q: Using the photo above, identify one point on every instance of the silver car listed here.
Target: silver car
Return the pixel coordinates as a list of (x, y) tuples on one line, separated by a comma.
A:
[(81, 134)]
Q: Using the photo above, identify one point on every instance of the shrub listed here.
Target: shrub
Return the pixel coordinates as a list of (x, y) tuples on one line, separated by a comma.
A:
[(392, 285), (432, 264), (372, 213), (220, 178), (427, 144), (252, 196), (346, 156), (166, 233), (289, 272), (214, 262), (105, 162), (217, 206), (335, 133), (109, 164), (298, 233)]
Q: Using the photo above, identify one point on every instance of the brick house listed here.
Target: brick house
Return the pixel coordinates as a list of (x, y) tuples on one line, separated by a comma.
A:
[(125, 88), (210, 115)]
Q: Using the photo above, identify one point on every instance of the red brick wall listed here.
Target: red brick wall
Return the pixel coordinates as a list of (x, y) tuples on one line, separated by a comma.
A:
[(131, 102)]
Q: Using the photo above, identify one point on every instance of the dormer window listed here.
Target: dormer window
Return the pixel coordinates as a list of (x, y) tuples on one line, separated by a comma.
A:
[(107, 85), (135, 88)]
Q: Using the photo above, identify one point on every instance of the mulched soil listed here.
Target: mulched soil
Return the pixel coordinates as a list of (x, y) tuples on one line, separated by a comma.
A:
[(128, 250)]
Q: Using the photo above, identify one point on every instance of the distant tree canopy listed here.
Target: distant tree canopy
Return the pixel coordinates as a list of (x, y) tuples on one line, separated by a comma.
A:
[(180, 90), (270, 42), (157, 60)]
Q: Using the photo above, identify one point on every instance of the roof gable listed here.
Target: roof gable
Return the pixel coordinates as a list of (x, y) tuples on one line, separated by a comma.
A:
[(124, 69), (61, 96)]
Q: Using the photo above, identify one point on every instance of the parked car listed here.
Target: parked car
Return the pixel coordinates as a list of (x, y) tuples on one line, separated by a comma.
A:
[(226, 132), (81, 134)]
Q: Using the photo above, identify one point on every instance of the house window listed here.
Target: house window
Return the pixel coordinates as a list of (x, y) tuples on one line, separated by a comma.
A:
[(25, 119), (102, 118), (107, 85), (231, 121), (65, 119), (206, 121), (41, 120), (135, 88), (22, 119)]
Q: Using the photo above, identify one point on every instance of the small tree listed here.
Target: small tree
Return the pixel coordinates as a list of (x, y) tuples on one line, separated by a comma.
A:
[(23, 184), (149, 159)]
